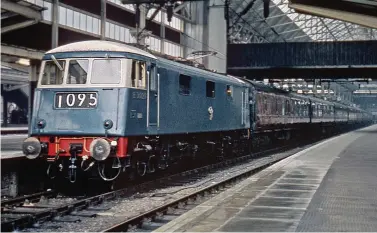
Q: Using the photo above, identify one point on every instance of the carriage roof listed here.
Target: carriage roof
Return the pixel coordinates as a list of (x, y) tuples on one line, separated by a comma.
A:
[(271, 89)]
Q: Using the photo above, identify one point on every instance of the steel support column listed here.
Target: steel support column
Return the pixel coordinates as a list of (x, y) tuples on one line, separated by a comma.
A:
[(55, 24), (103, 19), (205, 36), (33, 81), (5, 105), (315, 82), (141, 23), (322, 89), (162, 34)]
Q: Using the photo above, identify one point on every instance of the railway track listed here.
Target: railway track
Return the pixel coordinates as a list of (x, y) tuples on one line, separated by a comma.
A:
[(18, 201), (17, 217), (157, 217)]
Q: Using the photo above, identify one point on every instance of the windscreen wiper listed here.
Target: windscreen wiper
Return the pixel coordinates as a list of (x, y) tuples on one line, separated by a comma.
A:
[(57, 63)]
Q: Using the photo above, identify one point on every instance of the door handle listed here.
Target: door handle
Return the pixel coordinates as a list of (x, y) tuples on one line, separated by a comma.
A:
[(155, 95)]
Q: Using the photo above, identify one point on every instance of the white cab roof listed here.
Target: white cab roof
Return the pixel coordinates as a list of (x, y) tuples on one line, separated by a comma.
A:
[(99, 45)]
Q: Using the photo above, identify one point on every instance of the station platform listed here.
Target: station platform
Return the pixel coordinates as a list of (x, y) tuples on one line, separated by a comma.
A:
[(11, 146), (331, 186), (14, 129), (11, 154)]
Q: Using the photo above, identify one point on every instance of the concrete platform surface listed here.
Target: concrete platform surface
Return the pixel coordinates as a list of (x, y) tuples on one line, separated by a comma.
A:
[(14, 128), (11, 146), (331, 186), (11, 154)]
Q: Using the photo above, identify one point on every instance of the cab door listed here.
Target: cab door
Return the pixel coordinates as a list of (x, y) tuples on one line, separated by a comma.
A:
[(245, 107), (152, 97)]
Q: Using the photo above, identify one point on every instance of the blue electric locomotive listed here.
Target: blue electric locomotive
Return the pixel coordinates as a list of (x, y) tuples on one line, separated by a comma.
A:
[(109, 104), (119, 108)]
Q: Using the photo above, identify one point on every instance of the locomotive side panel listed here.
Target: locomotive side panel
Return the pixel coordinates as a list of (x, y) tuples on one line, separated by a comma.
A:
[(195, 102)]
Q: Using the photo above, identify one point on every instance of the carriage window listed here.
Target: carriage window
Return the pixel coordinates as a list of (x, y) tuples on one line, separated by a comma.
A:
[(106, 71), (210, 87), (184, 84), (52, 75), (288, 107), (229, 90), (139, 74), (320, 111), (77, 71), (152, 84)]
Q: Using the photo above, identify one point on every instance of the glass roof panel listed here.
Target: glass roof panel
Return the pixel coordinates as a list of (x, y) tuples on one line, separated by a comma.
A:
[(283, 22)]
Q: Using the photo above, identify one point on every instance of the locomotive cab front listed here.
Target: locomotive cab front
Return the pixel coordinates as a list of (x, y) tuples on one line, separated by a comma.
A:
[(82, 110)]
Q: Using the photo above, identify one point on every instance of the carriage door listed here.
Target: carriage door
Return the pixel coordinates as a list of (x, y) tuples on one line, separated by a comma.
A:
[(152, 97), (252, 111), (245, 107)]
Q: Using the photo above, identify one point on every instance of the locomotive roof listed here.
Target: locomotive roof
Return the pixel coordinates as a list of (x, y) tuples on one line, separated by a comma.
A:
[(209, 74), (109, 46), (266, 88), (99, 46)]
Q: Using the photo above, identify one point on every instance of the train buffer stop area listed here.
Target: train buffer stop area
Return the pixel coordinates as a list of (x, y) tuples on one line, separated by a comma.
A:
[(330, 186)]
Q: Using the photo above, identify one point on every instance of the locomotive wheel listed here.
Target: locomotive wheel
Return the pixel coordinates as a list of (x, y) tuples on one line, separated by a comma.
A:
[(135, 170), (141, 168), (132, 175), (110, 186), (163, 162), (163, 158), (221, 152)]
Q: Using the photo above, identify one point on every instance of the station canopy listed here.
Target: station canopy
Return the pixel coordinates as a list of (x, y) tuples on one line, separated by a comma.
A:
[(248, 25)]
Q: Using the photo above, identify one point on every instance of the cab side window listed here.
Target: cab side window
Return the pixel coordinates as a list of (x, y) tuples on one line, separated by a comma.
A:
[(153, 79), (229, 90), (184, 84), (210, 89), (139, 74)]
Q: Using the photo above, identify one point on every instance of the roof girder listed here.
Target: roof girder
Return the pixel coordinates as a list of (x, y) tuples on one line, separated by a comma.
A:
[(283, 22), (21, 10)]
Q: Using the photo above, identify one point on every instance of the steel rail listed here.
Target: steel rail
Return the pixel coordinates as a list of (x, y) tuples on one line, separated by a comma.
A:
[(152, 215), (7, 203), (29, 219)]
